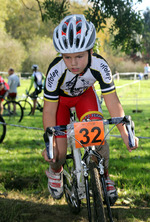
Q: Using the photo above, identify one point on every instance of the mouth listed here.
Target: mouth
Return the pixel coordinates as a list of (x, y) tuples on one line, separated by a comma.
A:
[(75, 69)]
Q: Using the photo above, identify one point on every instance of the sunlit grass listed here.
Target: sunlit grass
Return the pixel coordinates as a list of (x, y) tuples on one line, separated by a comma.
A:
[(22, 165)]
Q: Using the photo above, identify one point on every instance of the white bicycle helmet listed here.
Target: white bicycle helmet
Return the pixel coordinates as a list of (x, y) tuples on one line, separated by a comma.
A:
[(74, 34)]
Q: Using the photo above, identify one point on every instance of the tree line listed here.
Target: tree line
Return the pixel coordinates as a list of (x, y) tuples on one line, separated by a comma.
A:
[(26, 29)]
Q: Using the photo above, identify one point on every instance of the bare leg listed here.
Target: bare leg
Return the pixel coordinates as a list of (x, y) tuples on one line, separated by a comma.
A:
[(1, 108), (104, 152), (34, 106), (60, 151), (14, 108)]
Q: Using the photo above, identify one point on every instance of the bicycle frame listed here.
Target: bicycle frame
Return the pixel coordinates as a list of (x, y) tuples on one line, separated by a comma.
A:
[(81, 171)]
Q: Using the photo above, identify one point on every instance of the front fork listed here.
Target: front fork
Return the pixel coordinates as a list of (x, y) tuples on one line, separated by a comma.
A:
[(106, 198), (87, 190)]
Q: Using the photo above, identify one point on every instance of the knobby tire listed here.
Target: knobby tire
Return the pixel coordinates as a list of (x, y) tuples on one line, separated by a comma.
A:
[(98, 207), (74, 207)]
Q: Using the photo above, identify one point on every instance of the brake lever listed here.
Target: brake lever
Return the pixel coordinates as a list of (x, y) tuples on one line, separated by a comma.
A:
[(49, 143), (131, 133)]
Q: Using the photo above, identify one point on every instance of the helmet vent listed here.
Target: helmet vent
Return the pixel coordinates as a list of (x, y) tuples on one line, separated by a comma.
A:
[(60, 45), (87, 29), (78, 28), (83, 43), (64, 28), (91, 39), (71, 35), (65, 43), (77, 42), (57, 34)]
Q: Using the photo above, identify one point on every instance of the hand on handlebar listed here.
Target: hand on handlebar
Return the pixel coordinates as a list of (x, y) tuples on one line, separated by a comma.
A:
[(48, 153), (125, 138), (44, 154), (128, 135)]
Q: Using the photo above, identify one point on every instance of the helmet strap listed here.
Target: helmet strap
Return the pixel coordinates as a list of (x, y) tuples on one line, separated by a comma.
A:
[(89, 63)]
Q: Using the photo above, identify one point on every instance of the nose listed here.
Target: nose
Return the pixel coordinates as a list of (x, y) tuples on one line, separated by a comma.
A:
[(73, 61)]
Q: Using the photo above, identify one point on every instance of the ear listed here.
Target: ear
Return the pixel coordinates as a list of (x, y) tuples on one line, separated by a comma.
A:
[(91, 51)]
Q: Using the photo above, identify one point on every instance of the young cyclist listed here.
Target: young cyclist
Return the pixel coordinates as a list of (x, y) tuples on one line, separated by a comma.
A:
[(4, 90), (69, 82), (36, 79)]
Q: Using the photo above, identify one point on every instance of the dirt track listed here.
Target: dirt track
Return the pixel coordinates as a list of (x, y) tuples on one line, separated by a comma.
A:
[(15, 210)]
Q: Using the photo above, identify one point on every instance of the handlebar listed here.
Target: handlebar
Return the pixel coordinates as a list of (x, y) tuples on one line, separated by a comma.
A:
[(57, 130)]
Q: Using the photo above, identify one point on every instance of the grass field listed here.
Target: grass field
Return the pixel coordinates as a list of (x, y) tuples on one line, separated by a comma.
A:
[(23, 184)]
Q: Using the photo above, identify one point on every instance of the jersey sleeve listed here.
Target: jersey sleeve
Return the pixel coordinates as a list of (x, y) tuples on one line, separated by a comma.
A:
[(103, 75), (51, 88)]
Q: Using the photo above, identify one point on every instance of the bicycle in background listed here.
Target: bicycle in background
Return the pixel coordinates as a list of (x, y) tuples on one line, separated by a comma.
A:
[(84, 166), (2, 129), (27, 106), (12, 111)]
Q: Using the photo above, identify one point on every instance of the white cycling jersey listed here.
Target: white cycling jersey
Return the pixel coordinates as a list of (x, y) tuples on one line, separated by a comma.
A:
[(37, 79), (60, 81)]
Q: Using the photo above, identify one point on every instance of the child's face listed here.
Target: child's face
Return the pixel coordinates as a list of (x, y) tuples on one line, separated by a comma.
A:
[(76, 62)]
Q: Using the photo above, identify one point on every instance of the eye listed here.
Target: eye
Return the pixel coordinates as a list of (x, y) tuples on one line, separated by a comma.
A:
[(66, 57), (80, 56)]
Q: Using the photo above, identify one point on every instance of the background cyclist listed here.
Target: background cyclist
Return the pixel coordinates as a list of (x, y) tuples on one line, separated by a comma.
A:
[(4, 90), (36, 80), (69, 82)]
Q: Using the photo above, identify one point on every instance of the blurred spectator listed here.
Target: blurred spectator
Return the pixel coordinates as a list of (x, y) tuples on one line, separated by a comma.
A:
[(147, 70), (13, 82), (116, 76), (140, 75)]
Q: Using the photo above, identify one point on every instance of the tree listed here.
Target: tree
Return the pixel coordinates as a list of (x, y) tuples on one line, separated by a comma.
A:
[(3, 14), (24, 22), (146, 35), (21, 23), (54, 10), (40, 51), (127, 24), (12, 53)]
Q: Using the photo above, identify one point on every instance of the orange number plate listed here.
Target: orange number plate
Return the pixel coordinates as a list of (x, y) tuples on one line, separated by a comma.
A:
[(89, 133)]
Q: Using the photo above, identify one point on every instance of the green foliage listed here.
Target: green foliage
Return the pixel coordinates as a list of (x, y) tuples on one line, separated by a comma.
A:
[(126, 26), (55, 10), (97, 46), (12, 52), (3, 14), (146, 35), (30, 21), (40, 51)]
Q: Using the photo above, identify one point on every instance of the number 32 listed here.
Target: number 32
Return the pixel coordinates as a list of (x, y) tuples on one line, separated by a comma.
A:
[(86, 135)]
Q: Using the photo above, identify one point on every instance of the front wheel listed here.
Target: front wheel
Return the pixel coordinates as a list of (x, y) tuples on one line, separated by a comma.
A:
[(12, 112), (70, 185), (97, 194), (2, 129)]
